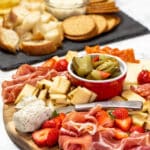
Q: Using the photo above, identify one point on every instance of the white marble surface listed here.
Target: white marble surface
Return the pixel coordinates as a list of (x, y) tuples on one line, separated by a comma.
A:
[(139, 10)]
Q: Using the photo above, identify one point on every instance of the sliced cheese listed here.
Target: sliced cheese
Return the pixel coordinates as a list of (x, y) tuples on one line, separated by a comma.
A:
[(27, 90), (132, 96), (70, 54), (60, 85), (42, 94), (138, 117), (44, 84), (147, 123), (134, 69), (59, 98), (81, 96)]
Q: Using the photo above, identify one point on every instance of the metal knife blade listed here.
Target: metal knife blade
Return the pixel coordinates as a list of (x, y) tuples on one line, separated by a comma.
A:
[(136, 105)]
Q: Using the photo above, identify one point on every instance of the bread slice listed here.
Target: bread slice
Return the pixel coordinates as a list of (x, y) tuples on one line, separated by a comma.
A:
[(28, 23), (38, 47), (15, 17), (9, 39)]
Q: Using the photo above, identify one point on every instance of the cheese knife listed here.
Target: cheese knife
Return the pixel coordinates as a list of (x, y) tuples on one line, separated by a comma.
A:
[(135, 105)]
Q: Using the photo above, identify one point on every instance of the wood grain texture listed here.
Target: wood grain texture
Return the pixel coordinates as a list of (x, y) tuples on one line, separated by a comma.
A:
[(23, 141)]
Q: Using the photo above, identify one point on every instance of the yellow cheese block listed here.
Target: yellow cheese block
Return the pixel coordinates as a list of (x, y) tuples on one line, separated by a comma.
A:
[(132, 96), (134, 69)]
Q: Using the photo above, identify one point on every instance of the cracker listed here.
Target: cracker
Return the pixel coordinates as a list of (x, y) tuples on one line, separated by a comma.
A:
[(78, 25), (97, 10), (112, 21), (83, 37), (108, 6), (102, 4), (101, 23), (97, 1)]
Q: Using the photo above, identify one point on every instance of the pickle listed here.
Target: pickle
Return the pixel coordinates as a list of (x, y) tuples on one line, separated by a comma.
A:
[(113, 68), (82, 65), (115, 74), (105, 65), (103, 68), (97, 63), (95, 74)]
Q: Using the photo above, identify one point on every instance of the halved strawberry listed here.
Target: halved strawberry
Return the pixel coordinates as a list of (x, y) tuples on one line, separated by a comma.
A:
[(40, 137), (137, 129), (119, 134), (52, 138), (104, 119), (54, 122), (49, 124), (123, 124), (120, 113)]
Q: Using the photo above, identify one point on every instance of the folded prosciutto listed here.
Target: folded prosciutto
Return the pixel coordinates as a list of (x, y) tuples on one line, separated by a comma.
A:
[(81, 131)]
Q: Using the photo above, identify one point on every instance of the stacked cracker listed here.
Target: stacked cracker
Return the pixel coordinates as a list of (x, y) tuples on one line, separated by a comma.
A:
[(84, 27), (102, 6)]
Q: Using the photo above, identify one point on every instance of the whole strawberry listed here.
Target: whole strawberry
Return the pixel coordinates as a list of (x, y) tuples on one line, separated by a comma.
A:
[(144, 77)]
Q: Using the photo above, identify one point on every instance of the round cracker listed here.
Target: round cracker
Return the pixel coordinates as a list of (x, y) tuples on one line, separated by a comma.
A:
[(83, 37), (78, 25), (101, 23), (112, 21)]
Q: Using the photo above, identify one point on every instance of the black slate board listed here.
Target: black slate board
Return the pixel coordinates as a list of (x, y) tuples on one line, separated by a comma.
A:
[(128, 28)]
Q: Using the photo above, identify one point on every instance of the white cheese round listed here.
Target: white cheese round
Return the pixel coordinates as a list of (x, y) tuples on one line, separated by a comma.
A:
[(31, 117)]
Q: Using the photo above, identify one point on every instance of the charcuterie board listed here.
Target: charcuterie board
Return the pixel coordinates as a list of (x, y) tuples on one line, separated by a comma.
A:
[(24, 141)]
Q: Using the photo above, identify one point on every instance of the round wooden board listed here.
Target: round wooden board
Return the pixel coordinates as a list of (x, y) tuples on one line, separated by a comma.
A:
[(23, 141)]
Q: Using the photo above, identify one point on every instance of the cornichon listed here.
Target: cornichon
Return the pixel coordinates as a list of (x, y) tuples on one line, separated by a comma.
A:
[(90, 67)]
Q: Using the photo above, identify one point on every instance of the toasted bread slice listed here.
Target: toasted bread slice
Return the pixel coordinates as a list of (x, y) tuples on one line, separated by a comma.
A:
[(38, 47), (9, 40)]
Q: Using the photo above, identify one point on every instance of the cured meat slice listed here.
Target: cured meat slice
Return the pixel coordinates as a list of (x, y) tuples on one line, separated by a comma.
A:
[(77, 130), (80, 131), (25, 74), (143, 90), (105, 140), (23, 70), (75, 143)]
